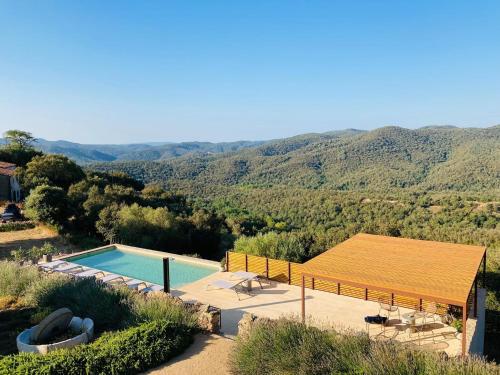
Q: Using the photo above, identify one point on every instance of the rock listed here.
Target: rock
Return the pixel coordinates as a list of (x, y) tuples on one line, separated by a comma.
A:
[(209, 319), (245, 325), (57, 321)]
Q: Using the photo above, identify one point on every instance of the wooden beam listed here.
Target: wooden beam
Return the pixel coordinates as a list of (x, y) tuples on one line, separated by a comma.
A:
[(246, 262), (289, 273), (387, 290), (227, 261)]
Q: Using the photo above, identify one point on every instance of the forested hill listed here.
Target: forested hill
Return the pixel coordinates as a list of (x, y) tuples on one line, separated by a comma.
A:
[(88, 153), (431, 158)]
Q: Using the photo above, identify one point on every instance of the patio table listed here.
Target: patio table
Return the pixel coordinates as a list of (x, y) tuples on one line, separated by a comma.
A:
[(410, 320)]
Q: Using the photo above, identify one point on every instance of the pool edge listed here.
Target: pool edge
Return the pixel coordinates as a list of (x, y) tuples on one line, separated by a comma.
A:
[(160, 254)]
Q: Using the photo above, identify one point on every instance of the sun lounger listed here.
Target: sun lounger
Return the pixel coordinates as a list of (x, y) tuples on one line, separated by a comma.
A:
[(247, 276), (111, 277), (229, 285), (91, 272), (69, 268), (152, 288), (52, 265), (134, 283)]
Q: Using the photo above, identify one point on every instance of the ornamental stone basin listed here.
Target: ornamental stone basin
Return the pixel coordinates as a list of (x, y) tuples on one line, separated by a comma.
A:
[(60, 321)]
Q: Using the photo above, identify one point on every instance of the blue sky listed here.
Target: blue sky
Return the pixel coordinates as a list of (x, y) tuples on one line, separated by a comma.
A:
[(133, 71)]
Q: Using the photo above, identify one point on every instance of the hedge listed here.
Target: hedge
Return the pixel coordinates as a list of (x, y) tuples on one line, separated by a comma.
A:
[(125, 352)]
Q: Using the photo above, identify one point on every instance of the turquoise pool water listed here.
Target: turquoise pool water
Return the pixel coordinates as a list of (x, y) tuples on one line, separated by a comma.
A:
[(143, 267)]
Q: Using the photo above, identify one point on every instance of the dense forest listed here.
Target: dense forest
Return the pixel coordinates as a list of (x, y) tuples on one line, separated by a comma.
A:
[(386, 159)]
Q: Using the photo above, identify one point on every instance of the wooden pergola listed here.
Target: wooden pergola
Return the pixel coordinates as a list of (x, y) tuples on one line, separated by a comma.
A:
[(433, 271)]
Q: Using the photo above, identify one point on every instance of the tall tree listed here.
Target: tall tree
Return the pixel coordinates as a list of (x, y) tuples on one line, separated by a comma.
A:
[(19, 138)]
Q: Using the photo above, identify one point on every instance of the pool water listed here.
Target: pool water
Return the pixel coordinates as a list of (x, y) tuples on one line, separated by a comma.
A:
[(143, 267)]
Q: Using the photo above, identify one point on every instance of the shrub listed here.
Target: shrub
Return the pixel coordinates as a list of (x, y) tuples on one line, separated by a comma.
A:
[(288, 347), (127, 352), (33, 254), (15, 280), (159, 306), (13, 226), (283, 347), (108, 307)]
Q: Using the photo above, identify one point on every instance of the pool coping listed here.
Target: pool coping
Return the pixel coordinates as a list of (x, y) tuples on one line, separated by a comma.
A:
[(156, 253)]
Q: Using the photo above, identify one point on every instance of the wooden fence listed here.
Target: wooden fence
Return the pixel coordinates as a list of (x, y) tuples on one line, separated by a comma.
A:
[(291, 273)]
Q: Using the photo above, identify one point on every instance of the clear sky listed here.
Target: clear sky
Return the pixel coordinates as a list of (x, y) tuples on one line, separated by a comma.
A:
[(134, 71)]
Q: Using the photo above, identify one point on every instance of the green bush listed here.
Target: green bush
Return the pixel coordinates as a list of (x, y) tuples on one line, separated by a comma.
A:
[(127, 352), (288, 347), (13, 226), (16, 280), (33, 254), (159, 306), (283, 347), (108, 307)]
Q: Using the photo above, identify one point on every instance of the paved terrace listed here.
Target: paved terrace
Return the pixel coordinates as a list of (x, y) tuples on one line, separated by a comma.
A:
[(324, 310)]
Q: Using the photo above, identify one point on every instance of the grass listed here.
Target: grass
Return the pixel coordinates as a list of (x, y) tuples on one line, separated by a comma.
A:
[(16, 280), (286, 347)]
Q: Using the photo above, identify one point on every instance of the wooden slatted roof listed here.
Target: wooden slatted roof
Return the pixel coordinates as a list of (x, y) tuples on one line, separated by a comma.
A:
[(438, 271)]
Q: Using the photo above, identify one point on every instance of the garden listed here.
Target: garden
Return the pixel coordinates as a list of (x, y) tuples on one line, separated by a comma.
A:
[(284, 346), (135, 332)]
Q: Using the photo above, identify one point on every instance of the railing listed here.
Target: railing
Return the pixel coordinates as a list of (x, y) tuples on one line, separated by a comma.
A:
[(291, 273)]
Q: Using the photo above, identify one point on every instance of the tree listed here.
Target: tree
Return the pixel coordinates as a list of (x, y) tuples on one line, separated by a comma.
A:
[(54, 170), (47, 204), (19, 138)]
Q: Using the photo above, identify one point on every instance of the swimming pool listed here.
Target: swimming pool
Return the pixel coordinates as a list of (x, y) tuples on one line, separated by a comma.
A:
[(145, 265)]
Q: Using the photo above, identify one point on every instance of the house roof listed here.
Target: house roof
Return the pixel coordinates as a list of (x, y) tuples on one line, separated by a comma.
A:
[(4, 164), (7, 172), (436, 271)]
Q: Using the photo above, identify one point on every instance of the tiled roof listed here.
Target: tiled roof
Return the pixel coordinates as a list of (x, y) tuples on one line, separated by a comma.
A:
[(4, 164), (7, 172)]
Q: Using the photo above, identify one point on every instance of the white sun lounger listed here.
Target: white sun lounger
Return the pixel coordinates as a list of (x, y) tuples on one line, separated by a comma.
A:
[(134, 284), (247, 276), (111, 277), (91, 272), (69, 268), (223, 284), (152, 288), (52, 265)]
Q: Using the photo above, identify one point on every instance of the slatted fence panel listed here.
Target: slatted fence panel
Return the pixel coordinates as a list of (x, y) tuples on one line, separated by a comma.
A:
[(278, 270), (236, 262), (289, 272), (257, 265)]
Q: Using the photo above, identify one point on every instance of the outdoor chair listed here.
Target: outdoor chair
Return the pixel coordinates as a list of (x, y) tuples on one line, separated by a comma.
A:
[(388, 309)]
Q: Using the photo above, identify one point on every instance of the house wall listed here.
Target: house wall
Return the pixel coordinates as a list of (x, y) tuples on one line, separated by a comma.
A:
[(4, 188)]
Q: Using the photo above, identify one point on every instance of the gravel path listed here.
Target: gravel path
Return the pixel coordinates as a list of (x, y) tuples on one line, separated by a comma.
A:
[(208, 355)]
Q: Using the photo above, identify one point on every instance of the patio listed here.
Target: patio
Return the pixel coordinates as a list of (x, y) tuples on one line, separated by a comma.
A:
[(341, 286), (324, 310)]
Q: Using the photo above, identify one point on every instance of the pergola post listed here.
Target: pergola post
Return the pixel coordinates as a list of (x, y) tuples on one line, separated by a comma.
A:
[(484, 270), (475, 297), (464, 328), (303, 297)]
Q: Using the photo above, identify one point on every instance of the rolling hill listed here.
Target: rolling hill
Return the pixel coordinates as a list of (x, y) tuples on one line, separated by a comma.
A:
[(430, 158), (88, 153)]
